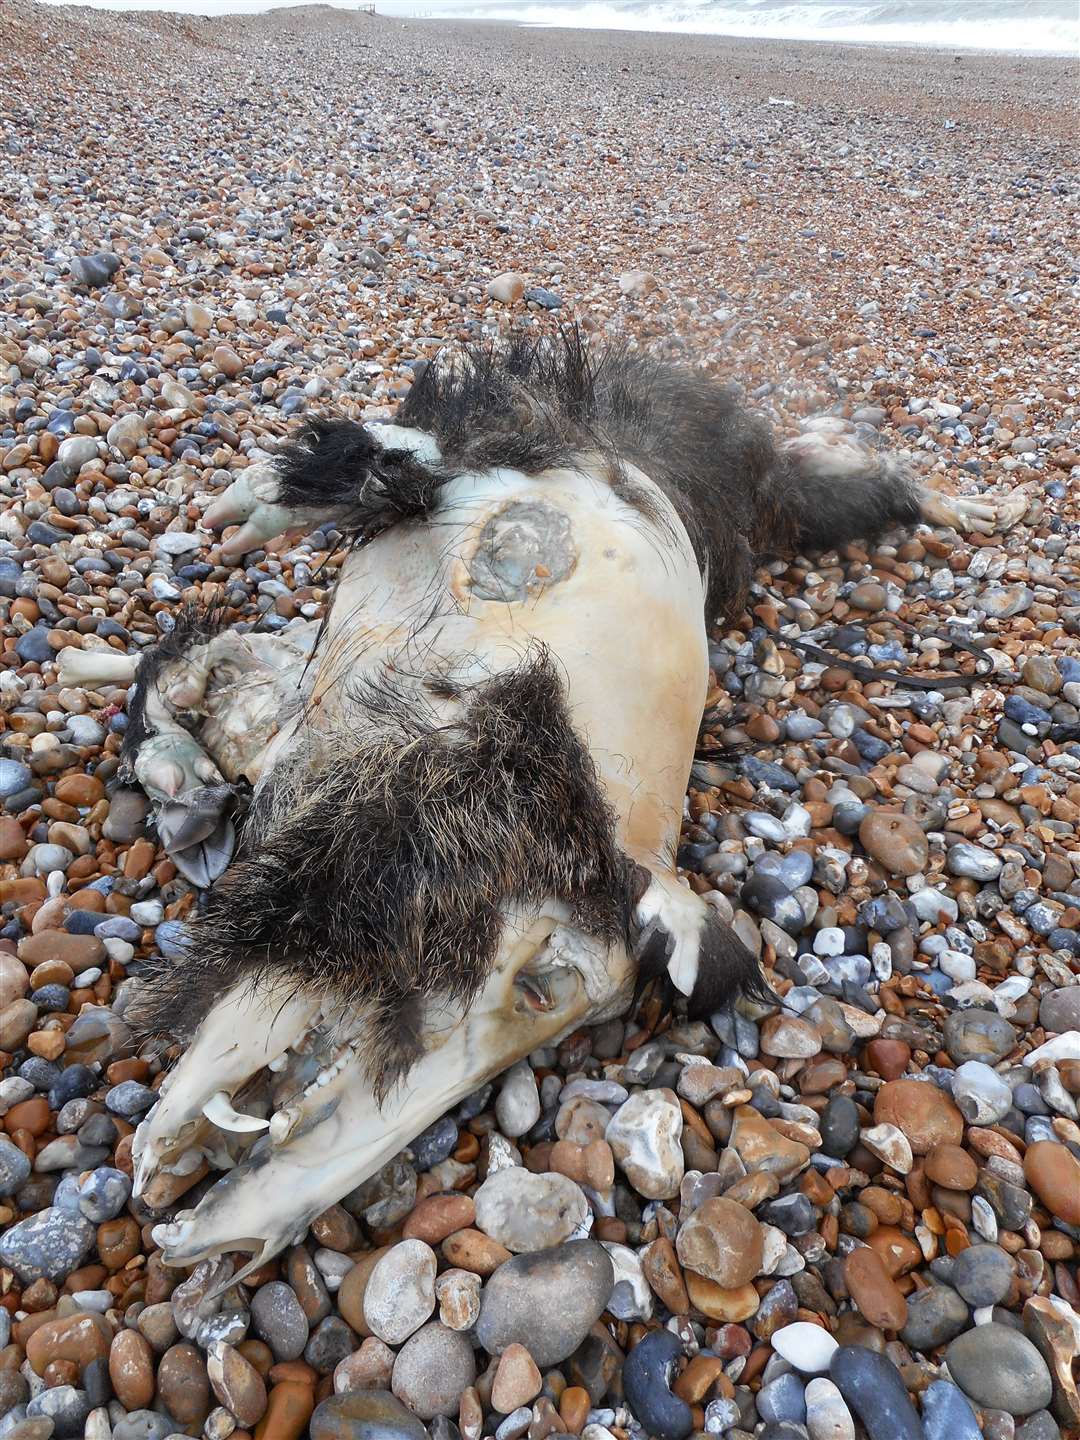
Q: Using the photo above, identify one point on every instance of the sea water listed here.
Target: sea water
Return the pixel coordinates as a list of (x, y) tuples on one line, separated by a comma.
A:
[(1031, 26)]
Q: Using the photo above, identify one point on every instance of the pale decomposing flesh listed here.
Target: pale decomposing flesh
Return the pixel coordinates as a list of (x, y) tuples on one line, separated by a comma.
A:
[(463, 790)]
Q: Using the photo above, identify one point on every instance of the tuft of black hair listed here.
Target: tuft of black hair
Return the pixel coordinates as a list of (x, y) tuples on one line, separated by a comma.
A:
[(375, 866), (195, 625)]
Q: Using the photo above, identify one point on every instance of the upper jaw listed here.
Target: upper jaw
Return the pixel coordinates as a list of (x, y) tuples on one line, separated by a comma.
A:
[(277, 1088)]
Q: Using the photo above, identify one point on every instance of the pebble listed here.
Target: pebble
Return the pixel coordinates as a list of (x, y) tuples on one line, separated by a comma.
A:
[(644, 1135), (647, 1375), (432, 1369), (827, 1417), (946, 1414), (1053, 1172), (400, 1292), (895, 841), (722, 1241), (807, 1347), (935, 1316), (872, 1387), (998, 1367), (48, 1245), (546, 1301), (365, 1415), (277, 1318), (524, 1211)]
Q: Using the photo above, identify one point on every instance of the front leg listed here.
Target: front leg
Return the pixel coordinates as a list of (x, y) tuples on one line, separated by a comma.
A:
[(360, 478), (677, 933)]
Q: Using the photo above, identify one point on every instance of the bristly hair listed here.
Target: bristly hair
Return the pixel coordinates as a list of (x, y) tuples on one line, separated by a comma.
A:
[(532, 403), (195, 625), (375, 866)]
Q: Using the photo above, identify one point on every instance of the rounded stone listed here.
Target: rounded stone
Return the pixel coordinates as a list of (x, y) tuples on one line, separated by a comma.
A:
[(807, 1346), (400, 1292), (978, 1035), (1053, 1173), (925, 1114), (1059, 1011), (645, 1134), (722, 1241), (952, 1167), (546, 1301), (432, 1369), (525, 1211), (874, 1290), (365, 1415), (983, 1275), (895, 841), (998, 1367), (277, 1318)]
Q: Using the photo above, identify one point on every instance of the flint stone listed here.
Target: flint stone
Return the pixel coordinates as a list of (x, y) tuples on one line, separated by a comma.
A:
[(998, 1367), (872, 1386), (365, 1415), (524, 1211), (947, 1415), (546, 1301), (48, 1245)]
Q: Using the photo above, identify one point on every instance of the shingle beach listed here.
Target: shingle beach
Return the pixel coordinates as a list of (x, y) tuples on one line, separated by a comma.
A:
[(856, 1216)]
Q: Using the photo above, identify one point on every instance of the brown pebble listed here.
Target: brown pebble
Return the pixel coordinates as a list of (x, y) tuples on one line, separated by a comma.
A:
[(183, 1384), (131, 1369), (438, 1216), (873, 1290), (470, 1249), (722, 1241), (350, 1296), (698, 1378), (236, 1383), (574, 1407), (82, 1337), (517, 1380), (924, 1113), (1054, 1174), (288, 1411), (951, 1166)]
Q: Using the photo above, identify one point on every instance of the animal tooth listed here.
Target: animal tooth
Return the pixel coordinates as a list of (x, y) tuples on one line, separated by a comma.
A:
[(279, 1063), (281, 1124), (220, 1112)]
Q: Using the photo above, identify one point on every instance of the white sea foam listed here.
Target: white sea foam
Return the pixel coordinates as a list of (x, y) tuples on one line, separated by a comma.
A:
[(1016, 26)]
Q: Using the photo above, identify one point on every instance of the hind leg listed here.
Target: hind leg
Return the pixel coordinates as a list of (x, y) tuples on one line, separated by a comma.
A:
[(829, 488)]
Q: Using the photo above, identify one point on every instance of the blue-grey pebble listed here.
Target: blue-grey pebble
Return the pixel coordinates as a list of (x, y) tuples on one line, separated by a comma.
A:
[(130, 1098), (104, 1193), (67, 1407), (872, 1387), (983, 1274), (279, 1320), (947, 1415), (14, 776), (14, 1167), (783, 1399), (143, 1425), (647, 1374), (47, 1245)]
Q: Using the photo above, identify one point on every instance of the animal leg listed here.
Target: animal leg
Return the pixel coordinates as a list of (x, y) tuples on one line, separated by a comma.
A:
[(677, 932), (362, 478), (206, 707), (828, 488)]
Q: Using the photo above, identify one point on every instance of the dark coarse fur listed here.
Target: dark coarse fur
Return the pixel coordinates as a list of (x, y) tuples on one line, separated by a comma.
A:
[(194, 626), (536, 403), (375, 865)]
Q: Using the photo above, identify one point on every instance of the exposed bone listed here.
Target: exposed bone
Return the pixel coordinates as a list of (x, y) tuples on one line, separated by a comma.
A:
[(242, 1033), (339, 1136), (90, 668), (219, 1111)]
